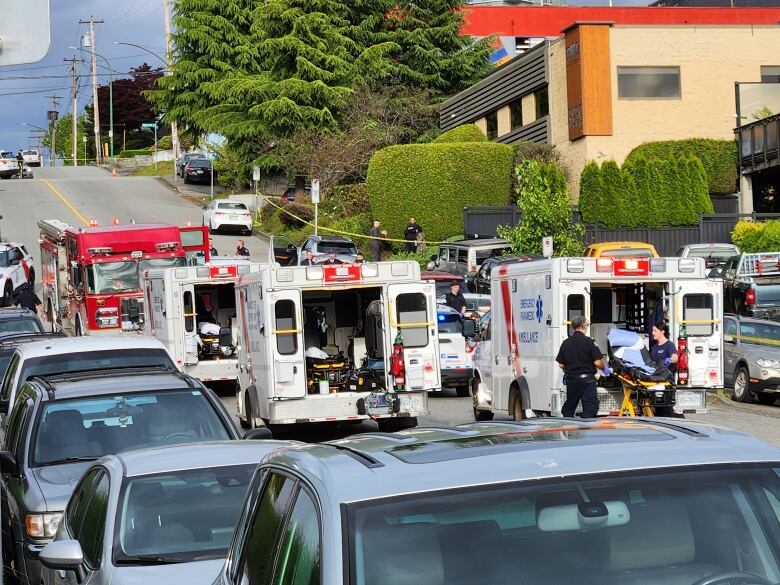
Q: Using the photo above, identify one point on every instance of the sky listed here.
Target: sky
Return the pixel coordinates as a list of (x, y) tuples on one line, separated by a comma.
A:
[(23, 87), (133, 21)]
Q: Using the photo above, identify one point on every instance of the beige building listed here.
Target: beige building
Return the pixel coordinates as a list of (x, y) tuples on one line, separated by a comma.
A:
[(601, 89)]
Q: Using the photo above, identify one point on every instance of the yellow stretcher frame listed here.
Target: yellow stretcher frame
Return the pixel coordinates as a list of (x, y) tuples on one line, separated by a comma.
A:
[(630, 404)]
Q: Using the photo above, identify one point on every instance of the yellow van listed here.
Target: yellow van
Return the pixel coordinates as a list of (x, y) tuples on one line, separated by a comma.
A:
[(621, 250)]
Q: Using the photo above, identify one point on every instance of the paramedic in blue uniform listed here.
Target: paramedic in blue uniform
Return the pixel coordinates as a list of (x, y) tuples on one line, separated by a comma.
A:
[(664, 352), (579, 357)]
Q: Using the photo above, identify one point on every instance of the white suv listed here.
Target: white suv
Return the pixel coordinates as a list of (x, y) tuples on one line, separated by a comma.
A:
[(32, 158), (9, 167), (16, 269), (226, 213), (456, 352)]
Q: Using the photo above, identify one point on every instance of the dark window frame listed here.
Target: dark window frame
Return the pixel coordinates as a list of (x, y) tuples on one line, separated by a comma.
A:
[(516, 114), (491, 125)]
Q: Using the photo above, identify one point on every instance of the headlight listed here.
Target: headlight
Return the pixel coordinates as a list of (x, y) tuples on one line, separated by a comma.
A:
[(766, 363), (43, 525)]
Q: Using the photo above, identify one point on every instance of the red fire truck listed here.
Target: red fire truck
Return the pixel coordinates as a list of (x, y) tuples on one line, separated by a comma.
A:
[(90, 276)]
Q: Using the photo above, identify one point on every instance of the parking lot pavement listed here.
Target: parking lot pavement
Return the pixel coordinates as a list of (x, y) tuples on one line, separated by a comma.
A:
[(447, 409)]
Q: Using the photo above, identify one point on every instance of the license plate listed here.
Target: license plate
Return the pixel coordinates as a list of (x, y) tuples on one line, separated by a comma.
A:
[(689, 399), (412, 402), (235, 218), (376, 403)]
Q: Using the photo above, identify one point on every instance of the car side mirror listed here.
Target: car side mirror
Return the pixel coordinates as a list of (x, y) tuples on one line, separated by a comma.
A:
[(729, 339), (258, 434), (469, 328), (8, 463), (64, 555)]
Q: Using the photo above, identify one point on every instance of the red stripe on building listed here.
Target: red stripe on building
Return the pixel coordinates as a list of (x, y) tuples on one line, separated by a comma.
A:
[(549, 21)]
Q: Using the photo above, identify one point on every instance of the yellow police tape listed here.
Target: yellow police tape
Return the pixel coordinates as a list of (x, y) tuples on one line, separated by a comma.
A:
[(283, 210), (757, 339)]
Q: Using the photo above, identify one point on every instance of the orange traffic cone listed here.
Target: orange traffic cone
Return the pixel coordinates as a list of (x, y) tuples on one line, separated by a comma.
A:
[(113, 172)]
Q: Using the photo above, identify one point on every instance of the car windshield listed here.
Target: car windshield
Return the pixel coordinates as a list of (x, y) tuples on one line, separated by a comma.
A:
[(760, 333), (337, 247), (19, 326), (233, 205), (94, 360), (112, 277), (161, 263), (712, 254), (188, 515), (88, 428), (30, 152), (683, 526), (627, 253), (7, 154), (449, 323), (483, 255)]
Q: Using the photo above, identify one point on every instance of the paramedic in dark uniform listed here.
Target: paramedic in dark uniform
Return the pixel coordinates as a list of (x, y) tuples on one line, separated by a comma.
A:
[(579, 357)]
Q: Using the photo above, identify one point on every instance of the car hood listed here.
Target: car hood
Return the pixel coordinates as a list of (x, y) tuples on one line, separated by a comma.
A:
[(755, 351), (195, 573), (57, 482)]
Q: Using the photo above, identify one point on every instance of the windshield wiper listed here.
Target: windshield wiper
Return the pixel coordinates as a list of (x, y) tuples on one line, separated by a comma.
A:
[(69, 460), (148, 560)]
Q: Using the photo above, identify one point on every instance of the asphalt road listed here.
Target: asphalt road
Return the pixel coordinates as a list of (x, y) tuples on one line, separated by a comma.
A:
[(76, 195)]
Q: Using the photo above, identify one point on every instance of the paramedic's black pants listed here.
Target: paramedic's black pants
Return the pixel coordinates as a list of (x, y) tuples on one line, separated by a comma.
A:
[(583, 389)]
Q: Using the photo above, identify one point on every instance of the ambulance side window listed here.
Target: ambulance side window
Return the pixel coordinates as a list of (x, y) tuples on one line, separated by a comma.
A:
[(411, 310), (575, 306), (698, 308), (285, 327), (189, 312)]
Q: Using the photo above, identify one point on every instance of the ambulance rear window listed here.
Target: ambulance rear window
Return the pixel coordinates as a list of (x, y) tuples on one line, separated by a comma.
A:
[(412, 319), (698, 314)]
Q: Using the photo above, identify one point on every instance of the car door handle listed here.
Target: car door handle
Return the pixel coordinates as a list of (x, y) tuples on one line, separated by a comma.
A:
[(496, 360)]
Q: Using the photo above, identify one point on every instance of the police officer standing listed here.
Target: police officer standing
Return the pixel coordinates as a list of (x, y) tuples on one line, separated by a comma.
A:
[(579, 357), (241, 249), (410, 235), (26, 298), (455, 298)]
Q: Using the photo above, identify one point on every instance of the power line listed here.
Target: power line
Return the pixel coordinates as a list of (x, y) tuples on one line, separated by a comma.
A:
[(60, 66)]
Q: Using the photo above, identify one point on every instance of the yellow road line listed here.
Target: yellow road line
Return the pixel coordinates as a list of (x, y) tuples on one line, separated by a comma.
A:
[(66, 202)]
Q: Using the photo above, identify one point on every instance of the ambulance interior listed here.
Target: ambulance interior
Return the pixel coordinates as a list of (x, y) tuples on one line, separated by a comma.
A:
[(634, 307), (214, 308)]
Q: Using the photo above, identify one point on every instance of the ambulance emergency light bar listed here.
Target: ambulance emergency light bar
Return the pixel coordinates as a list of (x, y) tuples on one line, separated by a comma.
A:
[(339, 273), (630, 266)]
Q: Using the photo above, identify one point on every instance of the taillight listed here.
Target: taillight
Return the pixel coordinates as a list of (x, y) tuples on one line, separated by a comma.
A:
[(750, 296), (682, 361), (604, 265), (107, 317)]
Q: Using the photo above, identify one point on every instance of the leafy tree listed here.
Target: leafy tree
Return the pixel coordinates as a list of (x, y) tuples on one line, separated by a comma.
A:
[(615, 205), (64, 138), (591, 200), (544, 201), (131, 106)]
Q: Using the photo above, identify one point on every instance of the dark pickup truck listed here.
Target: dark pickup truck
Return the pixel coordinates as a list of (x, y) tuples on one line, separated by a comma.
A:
[(751, 285)]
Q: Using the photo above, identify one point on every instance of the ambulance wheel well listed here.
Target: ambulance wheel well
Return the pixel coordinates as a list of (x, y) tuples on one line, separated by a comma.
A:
[(252, 407), (519, 388)]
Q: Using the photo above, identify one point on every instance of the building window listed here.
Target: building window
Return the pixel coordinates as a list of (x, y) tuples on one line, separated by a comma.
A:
[(648, 82), (492, 125), (542, 103), (516, 114), (770, 74)]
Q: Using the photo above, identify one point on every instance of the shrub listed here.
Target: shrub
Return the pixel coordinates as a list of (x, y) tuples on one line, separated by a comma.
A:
[(165, 143), (748, 235), (345, 200), (718, 157), (463, 133), (301, 211), (591, 200), (132, 153), (422, 258), (355, 224), (433, 182), (544, 201)]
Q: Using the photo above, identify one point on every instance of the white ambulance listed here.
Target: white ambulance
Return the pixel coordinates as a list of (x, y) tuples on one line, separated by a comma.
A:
[(533, 303), (192, 311), (321, 343)]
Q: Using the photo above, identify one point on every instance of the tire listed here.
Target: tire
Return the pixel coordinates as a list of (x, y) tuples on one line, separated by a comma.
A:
[(742, 385), (8, 294), (31, 277), (479, 414), (767, 398), (248, 232), (247, 422), (462, 391), (390, 425), (518, 413)]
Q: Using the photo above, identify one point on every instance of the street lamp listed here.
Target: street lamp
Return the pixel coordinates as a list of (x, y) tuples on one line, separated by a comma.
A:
[(110, 97), (84, 138), (143, 49)]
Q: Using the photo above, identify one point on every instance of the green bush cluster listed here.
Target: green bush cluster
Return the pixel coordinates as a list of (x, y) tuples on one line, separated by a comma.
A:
[(753, 236), (132, 153), (433, 182), (301, 210), (165, 143), (422, 258), (354, 224), (644, 193), (719, 158), (463, 133)]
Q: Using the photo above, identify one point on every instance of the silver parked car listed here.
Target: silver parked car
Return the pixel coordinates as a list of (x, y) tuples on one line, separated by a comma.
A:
[(549, 501), (751, 350), (162, 515)]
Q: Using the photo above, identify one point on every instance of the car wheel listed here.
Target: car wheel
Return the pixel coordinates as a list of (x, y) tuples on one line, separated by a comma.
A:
[(390, 425), (246, 423), (518, 413), (742, 385), (462, 391), (766, 398), (8, 294), (479, 415)]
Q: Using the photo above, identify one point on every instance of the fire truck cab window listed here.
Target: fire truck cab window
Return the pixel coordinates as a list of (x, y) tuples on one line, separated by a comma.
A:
[(698, 313), (286, 328), (412, 319), (189, 312), (112, 277)]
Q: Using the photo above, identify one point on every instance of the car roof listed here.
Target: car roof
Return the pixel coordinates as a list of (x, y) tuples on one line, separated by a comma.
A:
[(103, 382), (376, 465), (711, 245), (745, 319), (65, 345), (11, 314), (8, 245), (477, 242), (331, 239), (196, 456), (620, 244)]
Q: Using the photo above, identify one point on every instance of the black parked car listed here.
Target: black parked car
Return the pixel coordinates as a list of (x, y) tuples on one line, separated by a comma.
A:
[(479, 281), (19, 321), (184, 159), (198, 170)]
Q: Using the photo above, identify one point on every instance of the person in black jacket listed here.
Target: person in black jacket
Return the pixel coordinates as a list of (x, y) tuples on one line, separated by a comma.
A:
[(241, 249), (26, 298), (455, 298), (579, 357), (410, 235), (212, 249), (20, 162)]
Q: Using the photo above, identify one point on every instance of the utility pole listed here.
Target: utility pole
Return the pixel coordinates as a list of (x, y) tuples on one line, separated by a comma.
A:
[(74, 89), (92, 22), (169, 58), (53, 121)]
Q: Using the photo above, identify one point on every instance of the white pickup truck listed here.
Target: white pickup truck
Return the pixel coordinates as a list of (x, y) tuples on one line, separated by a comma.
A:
[(8, 165)]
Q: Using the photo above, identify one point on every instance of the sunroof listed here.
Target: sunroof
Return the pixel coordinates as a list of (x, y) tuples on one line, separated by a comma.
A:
[(523, 440)]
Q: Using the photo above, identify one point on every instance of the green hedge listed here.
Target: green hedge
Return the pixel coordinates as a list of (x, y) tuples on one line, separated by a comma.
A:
[(719, 158), (754, 237), (644, 193), (433, 182), (464, 133), (132, 153)]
